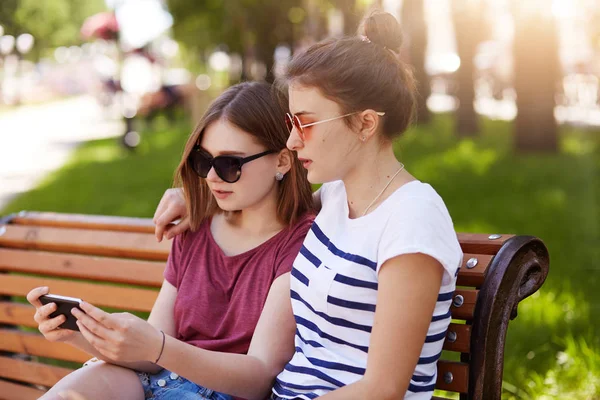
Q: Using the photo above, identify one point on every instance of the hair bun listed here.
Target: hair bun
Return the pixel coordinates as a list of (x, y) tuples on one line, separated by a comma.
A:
[(383, 29)]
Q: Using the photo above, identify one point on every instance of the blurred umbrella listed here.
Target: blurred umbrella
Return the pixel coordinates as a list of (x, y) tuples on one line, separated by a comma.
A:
[(103, 25)]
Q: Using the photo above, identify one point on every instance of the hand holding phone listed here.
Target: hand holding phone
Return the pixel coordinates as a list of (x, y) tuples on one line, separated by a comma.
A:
[(63, 307)]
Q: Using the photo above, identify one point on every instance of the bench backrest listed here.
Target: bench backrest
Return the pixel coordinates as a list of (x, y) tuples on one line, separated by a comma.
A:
[(115, 262)]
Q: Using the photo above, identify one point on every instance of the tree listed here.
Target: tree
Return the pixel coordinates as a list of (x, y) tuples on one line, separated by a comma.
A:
[(414, 25), (251, 28), (467, 16), (52, 23), (7, 13), (537, 73), (201, 25), (269, 34)]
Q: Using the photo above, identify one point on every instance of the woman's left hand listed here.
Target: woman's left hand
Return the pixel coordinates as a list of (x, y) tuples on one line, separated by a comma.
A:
[(120, 336)]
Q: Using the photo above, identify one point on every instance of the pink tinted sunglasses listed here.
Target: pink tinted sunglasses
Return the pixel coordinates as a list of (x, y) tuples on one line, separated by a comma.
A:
[(293, 121)]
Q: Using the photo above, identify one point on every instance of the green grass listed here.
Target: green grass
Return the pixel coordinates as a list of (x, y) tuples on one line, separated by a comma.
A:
[(489, 189), (552, 347)]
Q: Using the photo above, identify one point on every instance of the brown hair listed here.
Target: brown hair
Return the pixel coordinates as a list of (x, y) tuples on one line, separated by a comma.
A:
[(257, 109), (362, 72)]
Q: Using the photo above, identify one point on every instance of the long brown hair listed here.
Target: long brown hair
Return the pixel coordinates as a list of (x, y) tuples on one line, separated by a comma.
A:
[(362, 72), (259, 110)]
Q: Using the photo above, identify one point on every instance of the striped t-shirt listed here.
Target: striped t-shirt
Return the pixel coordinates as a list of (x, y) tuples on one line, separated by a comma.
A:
[(334, 287)]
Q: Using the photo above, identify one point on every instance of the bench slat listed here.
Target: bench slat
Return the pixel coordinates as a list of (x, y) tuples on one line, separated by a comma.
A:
[(470, 242), (462, 343), (14, 391), (17, 314), (474, 276), (124, 298), (31, 372), (143, 299), (100, 243), (149, 273), (460, 376), (82, 221), (145, 225), (467, 310), (35, 344), (476, 243)]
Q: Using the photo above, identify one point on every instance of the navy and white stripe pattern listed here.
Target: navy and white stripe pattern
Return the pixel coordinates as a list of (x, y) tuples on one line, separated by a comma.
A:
[(334, 292)]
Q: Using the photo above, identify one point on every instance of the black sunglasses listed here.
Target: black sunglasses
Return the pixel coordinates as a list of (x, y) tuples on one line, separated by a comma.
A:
[(228, 168)]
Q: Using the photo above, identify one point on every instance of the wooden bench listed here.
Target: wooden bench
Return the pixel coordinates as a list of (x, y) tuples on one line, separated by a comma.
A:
[(91, 257)]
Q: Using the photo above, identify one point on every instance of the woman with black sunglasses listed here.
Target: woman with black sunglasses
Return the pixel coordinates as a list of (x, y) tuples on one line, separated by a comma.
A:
[(249, 205)]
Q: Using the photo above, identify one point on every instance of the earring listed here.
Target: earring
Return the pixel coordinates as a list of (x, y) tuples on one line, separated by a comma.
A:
[(279, 176), (363, 138)]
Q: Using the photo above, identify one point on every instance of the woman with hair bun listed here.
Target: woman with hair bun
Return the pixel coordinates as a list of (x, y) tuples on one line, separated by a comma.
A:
[(372, 286)]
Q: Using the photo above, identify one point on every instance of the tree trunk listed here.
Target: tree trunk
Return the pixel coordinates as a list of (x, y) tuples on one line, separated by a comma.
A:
[(247, 60), (352, 16), (316, 22), (413, 24), (266, 41), (269, 62), (265, 54), (466, 16), (537, 73)]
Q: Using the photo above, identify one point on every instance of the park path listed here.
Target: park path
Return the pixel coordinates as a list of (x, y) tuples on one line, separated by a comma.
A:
[(38, 139)]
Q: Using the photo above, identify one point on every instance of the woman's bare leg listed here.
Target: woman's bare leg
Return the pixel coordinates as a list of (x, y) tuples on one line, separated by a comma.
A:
[(99, 381)]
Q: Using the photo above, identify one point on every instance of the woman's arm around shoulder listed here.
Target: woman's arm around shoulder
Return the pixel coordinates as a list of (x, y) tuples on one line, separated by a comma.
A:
[(248, 376), (170, 209)]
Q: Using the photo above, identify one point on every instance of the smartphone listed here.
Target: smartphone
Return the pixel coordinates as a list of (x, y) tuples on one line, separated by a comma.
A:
[(63, 307)]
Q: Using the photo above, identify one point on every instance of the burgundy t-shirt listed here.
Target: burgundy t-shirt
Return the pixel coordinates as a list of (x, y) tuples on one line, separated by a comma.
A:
[(220, 298)]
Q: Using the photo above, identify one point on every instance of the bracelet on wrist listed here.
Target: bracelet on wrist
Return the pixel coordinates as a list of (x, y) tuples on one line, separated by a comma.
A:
[(162, 347)]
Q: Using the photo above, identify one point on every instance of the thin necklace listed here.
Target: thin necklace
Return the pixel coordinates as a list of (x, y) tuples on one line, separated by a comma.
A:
[(386, 186)]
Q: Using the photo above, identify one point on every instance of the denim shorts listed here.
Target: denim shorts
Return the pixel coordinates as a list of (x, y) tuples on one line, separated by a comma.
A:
[(167, 385)]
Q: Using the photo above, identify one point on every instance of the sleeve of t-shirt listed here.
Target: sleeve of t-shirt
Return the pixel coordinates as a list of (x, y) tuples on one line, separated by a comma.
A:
[(421, 226), (322, 191), (172, 269), (286, 257), (326, 189)]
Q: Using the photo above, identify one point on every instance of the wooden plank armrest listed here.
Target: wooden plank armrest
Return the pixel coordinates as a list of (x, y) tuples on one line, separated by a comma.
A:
[(83, 221)]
